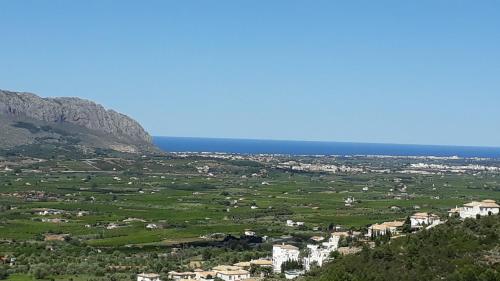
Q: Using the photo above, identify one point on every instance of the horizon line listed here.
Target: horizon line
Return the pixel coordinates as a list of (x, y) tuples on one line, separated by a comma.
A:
[(324, 141)]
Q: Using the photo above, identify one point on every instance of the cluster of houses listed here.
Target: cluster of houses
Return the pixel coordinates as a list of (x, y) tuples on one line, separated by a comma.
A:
[(318, 254), (236, 272), (394, 228), (418, 221), (317, 167), (48, 212)]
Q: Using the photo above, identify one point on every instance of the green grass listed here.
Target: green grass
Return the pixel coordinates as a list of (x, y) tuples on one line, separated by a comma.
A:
[(191, 205)]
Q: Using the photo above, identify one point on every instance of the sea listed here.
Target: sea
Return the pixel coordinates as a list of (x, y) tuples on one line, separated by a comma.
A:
[(253, 146)]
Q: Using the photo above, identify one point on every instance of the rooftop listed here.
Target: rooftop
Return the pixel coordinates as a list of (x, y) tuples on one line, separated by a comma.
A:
[(149, 275), (226, 268), (286, 247), (423, 215), (488, 203), (233, 272)]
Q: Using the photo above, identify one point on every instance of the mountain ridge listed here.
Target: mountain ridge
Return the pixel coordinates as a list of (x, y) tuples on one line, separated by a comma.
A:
[(89, 122)]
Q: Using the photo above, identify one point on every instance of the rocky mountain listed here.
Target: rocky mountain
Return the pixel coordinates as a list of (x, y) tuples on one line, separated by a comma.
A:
[(26, 118)]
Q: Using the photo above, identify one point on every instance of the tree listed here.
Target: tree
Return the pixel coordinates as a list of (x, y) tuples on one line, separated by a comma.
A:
[(3, 273), (291, 265), (407, 225), (40, 271)]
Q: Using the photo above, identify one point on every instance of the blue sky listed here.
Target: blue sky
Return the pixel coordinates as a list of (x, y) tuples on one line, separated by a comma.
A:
[(425, 72)]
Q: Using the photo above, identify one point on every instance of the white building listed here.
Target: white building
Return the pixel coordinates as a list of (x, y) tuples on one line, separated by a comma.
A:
[(174, 275), (283, 253), (249, 232), (151, 226), (418, 220), (148, 277), (474, 208), (49, 212), (112, 226), (294, 223), (349, 201), (233, 275), (230, 273), (320, 254)]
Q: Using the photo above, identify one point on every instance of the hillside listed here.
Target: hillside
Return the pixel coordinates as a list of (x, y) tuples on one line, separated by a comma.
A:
[(468, 250), (27, 119)]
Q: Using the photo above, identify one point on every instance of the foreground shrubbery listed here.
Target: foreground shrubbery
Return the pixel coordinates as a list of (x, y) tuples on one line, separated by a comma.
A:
[(46, 260), (467, 251)]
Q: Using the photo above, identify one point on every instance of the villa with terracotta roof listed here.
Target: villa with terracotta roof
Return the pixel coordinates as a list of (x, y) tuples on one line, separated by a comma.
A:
[(473, 209), (392, 227), (226, 268), (230, 273), (233, 275)]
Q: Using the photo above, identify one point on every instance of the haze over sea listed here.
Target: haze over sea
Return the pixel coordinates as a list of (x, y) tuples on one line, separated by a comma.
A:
[(252, 146)]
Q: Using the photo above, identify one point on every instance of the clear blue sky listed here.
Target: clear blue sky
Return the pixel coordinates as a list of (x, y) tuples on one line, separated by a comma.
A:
[(424, 71)]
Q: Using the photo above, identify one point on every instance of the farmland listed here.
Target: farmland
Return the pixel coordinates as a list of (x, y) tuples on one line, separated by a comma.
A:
[(122, 211)]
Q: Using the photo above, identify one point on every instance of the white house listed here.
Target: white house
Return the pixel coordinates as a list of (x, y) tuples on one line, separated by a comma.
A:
[(174, 275), (49, 212), (316, 255), (392, 227), (283, 253), (112, 226), (148, 277), (349, 201), (230, 273), (474, 208), (320, 254), (418, 220), (233, 275), (249, 232), (151, 226), (294, 223)]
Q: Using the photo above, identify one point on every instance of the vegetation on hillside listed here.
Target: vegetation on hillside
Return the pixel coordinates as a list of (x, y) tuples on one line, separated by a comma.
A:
[(458, 251)]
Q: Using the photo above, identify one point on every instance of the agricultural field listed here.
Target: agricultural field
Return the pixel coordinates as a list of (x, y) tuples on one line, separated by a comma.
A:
[(124, 215)]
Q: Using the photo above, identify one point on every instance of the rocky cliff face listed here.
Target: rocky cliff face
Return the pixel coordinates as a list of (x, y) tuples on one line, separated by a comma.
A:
[(74, 111)]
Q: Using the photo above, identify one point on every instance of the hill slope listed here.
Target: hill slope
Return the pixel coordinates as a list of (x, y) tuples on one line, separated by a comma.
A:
[(27, 119)]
